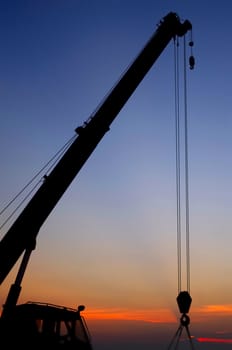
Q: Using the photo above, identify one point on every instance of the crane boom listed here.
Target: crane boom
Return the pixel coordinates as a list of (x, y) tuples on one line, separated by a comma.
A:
[(24, 230)]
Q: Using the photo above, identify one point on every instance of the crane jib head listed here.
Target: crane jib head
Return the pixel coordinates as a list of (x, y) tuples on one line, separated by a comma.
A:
[(180, 29), (184, 28)]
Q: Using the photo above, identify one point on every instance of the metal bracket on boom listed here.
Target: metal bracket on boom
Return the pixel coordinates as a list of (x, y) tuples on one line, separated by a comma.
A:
[(15, 289)]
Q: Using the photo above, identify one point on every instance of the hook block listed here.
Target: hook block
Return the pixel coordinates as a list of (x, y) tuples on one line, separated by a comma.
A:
[(184, 301)]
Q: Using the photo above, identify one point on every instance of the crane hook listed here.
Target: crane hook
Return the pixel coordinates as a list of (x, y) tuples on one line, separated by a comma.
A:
[(191, 62), (191, 58)]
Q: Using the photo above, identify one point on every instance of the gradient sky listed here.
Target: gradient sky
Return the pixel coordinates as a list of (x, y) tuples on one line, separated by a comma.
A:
[(110, 243)]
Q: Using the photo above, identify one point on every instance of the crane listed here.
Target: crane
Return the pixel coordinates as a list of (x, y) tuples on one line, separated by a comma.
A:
[(20, 239)]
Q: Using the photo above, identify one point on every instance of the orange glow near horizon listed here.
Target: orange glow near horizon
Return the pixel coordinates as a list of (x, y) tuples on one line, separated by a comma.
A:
[(162, 315), (151, 316), (211, 311), (224, 309)]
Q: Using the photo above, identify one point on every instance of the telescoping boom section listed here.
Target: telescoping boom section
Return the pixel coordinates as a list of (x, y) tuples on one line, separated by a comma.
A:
[(37, 325), (22, 234)]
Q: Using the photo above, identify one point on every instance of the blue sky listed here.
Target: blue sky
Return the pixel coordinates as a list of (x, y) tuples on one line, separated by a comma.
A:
[(111, 241)]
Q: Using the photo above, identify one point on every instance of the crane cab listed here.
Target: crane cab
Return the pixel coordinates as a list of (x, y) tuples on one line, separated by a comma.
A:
[(39, 325)]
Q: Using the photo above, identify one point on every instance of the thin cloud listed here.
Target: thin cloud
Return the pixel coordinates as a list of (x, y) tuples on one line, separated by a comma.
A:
[(151, 316), (215, 309)]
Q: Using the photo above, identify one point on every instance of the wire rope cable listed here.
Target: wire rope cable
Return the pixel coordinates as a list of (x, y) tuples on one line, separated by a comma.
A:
[(182, 201), (187, 225), (48, 166), (179, 205), (178, 179)]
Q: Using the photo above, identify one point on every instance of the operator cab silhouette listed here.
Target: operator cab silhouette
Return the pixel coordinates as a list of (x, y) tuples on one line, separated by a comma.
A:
[(39, 325)]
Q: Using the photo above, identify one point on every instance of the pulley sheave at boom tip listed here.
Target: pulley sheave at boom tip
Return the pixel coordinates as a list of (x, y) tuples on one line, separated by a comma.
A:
[(26, 227)]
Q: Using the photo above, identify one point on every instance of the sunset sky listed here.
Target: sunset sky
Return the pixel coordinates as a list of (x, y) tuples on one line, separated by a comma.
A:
[(110, 243)]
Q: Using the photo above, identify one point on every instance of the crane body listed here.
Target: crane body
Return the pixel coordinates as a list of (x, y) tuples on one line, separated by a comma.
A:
[(21, 237)]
